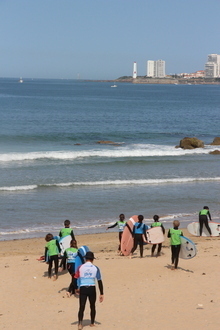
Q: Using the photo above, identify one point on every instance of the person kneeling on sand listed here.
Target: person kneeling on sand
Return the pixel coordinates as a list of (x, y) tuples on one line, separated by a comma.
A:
[(175, 242), (86, 275)]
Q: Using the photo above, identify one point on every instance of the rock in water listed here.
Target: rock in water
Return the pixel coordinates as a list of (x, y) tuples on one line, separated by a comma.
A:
[(216, 141), (191, 143)]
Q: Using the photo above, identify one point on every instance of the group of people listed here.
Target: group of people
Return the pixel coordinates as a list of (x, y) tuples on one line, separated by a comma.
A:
[(83, 279), (139, 231)]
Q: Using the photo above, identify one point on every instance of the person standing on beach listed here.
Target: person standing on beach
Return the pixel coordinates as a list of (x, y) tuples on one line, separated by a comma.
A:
[(52, 249), (66, 230), (68, 259), (175, 242), (156, 223), (86, 275), (139, 230), (203, 220), (121, 224)]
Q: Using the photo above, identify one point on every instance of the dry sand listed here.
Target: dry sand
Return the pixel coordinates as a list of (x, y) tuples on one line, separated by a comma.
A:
[(138, 293)]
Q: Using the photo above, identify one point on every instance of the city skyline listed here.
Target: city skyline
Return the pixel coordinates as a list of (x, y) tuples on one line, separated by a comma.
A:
[(100, 40)]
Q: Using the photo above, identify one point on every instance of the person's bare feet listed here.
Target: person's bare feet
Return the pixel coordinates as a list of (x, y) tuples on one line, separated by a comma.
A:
[(55, 277), (68, 294), (80, 326)]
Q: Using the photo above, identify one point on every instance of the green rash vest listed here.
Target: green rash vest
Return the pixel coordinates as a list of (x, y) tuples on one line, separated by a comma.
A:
[(52, 248), (175, 236), (204, 212), (156, 224), (71, 254), (65, 232)]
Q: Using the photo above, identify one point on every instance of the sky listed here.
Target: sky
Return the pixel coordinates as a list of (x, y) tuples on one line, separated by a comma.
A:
[(100, 39)]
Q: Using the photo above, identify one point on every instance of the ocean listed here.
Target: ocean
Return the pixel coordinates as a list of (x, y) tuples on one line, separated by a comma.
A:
[(52, 167)]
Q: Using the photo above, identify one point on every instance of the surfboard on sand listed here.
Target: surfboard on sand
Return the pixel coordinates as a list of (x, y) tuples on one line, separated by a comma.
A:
[(127, 241), (193, 228), (154, 235), (65, 243), (80, 256), (188, 249)]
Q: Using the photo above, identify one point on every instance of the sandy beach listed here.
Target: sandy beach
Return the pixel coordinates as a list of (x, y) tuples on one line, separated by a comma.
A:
[(138, 293)]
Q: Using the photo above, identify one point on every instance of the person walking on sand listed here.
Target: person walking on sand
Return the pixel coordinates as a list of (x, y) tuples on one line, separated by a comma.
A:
[(139, 230), (156, 223), (203, 220), (86, 275), (52, 249), (121, 224), (175, 242), (68, 259), (66, 230)]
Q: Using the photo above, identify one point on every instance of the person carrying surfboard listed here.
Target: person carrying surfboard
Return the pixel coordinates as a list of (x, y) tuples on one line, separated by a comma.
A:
[(68, 259), (121, 224), (66, 230), (52, 249), (175, 242), (139, 230), (86, 275), (156, 223), (203, 220)]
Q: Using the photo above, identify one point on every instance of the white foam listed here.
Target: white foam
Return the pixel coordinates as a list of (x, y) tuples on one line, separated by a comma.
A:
[(31, 187), (114, 183), (131, 151)]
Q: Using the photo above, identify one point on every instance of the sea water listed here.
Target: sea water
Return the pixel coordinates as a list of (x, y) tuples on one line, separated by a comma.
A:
[(52, 167)]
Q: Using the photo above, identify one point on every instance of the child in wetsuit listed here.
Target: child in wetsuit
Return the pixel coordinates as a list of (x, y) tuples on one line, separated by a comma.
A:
[(52, 249), (156, 223), (138, 231), (121, 224), (69, 260), (67, 230), (203, 219), (175, 242)]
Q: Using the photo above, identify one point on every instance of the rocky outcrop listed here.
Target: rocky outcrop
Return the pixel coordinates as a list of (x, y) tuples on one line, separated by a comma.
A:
[(191, 143), (216, 141), (215, 152)]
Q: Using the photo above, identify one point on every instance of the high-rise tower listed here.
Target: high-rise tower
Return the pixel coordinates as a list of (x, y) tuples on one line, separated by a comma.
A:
[(135, 70)]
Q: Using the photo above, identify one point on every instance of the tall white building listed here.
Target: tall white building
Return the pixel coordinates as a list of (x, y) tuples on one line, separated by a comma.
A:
[(212, 66), (134, 70), (156, 69)]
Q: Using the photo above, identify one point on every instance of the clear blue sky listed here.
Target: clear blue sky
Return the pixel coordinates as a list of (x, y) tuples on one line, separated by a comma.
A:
[(100, 39)]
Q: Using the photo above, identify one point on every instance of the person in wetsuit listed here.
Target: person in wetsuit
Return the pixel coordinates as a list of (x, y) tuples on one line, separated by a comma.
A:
[(68, 259), (175, 242), (203, 220), (121, 224), (139, 230), (156, 223), (86, 275), (52, 249)]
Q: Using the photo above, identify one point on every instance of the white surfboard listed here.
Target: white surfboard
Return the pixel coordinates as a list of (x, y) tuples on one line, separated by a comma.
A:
[(193, 228), (154, 235), (65, 243), (188, 249)]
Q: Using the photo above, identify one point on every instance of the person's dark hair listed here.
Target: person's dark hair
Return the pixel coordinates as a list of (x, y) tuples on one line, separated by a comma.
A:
[(48, 237), (73, 243), (206, 207), (156, 217), (121, 216), (140, 218), (66, 223)]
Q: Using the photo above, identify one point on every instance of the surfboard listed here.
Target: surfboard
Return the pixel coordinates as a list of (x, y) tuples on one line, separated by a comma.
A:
[(154, 235), (193, 228), (65, 243), (127, 241), (188, 249), (80, 256)]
